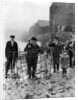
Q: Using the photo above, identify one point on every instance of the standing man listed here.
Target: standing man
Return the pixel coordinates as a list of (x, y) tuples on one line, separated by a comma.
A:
[(74, 53), (32, 50), (56, 54), (11, 53), (70, 52)]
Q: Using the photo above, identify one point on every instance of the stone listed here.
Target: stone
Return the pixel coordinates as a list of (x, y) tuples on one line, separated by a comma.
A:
[(28, 96), (47, 96)]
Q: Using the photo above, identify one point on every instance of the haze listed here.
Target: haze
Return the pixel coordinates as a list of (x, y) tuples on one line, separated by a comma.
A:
[(20, 15)]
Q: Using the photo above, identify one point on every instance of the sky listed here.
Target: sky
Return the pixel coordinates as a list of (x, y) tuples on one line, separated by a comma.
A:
[(21, 14)]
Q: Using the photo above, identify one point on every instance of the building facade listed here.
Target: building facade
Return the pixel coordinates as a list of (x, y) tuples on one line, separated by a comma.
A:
[(62, 17)]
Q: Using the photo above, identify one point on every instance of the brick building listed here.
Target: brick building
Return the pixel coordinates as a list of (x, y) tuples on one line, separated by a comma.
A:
[(62, 18)]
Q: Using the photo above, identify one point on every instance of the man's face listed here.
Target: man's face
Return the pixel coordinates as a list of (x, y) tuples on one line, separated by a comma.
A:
[(12, 39), (55, 40), (33, 41)]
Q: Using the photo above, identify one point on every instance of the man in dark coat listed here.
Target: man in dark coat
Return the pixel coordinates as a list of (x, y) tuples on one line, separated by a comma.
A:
[(11, 53), (32, 50), (70, 52), (55, 53), (74, 53)]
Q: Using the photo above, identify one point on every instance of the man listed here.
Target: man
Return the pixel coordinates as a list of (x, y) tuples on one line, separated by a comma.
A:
[(70, 52), (11, 53), (56, 53), (32, 50), (74, 53)]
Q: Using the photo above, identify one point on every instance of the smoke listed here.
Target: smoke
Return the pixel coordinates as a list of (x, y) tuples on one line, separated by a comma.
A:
[(24, 36)]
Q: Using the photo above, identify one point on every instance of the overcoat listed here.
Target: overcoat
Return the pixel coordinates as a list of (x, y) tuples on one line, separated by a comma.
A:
[(32, 53), (11, 51)]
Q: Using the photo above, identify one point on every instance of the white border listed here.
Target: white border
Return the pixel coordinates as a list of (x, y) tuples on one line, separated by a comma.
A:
[(2, 28)]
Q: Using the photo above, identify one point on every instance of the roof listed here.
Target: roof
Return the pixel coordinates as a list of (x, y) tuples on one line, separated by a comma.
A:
[(43, 23)]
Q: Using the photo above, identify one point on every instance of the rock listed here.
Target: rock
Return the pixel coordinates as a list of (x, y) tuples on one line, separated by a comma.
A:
[(15, 76), (48, 77), (53, 82), (62, 91), (9, 88), (47, 96), (39, 94), (25, 84), (28, 96), (72, 95), (68, 88), (62, 83), (38, 82), (51, 91), (17, 84), (22, 86)]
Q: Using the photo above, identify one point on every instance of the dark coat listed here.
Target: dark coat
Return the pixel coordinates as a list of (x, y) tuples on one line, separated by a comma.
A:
[(32, 53), (11, 51), (69, 49), (55, 51)]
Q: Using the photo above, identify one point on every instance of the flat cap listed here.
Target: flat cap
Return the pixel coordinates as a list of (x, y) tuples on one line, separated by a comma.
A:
[(12, 36)]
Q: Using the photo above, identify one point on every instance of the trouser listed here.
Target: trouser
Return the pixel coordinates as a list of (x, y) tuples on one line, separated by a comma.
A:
[(74, 58), (9, 64), (64, 71), (55, 63), (74, 61), (70, 60), (56, 67), (31, 69)]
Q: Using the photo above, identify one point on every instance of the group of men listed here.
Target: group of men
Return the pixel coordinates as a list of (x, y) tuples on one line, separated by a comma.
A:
[(11, 52), (32, 50)]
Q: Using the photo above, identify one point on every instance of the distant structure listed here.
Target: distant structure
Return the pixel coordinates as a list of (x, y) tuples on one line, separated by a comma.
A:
[(45, 28), (40, 29), (62, 17)]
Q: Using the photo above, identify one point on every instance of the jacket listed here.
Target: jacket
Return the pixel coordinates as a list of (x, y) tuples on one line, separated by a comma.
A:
[(11, 51), (32, 53)]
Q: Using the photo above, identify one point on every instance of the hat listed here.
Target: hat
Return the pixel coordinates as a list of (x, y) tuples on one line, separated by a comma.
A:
[(12, 36), (34, 38)]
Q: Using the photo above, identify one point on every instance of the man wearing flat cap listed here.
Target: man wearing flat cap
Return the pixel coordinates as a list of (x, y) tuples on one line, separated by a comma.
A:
[(55, 53), (32, 50), (11, 53)]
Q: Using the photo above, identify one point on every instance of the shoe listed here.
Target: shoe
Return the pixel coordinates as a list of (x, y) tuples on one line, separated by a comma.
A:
[(6, 76)]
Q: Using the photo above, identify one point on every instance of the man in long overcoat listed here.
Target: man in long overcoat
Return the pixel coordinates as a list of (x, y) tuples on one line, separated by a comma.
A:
[(55, 53), (11, 53), (32, 50), (70, 52)]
